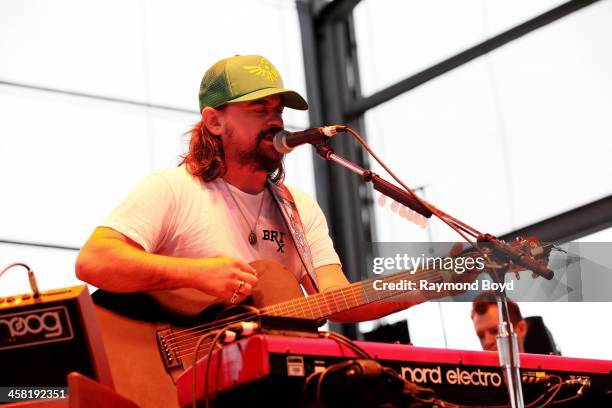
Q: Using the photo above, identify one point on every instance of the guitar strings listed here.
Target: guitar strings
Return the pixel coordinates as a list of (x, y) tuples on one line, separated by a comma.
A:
[(310, 299), (187, 341), (359, 288), (187, 350)]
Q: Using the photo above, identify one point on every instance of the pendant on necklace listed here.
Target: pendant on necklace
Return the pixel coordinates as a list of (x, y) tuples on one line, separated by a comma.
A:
[(252, 238)]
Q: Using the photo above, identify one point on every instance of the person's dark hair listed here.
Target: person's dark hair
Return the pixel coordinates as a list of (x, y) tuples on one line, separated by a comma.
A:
[(485, 300), (206, 159)]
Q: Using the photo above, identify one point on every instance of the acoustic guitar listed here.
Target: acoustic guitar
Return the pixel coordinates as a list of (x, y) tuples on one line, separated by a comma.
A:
[(150, 338)]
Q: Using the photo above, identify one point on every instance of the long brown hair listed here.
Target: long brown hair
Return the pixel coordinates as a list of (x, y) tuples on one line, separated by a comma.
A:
[(206, 159)]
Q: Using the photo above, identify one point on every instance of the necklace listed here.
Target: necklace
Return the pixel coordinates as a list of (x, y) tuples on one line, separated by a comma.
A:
[(252, 236)]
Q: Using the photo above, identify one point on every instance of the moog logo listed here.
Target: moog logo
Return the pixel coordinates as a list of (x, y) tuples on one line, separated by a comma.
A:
[(35, 327)]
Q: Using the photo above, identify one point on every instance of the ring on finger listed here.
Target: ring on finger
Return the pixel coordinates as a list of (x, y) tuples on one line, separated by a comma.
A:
[(237, 292), (242, 283)]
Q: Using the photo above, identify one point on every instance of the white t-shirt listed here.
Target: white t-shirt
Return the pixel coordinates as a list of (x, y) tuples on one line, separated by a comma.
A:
[(174, 213)]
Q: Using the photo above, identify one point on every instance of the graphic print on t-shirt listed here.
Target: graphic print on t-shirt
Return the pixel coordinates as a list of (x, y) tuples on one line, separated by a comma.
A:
[(275, 236)]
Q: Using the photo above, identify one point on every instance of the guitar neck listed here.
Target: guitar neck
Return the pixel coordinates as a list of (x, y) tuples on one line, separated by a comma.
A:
[(323, 305)]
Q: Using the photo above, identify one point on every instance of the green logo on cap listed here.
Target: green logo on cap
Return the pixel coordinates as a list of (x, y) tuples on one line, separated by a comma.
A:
[(264, 69)]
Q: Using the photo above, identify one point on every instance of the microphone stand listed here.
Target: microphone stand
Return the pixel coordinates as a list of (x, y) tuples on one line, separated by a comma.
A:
[(507, 344)]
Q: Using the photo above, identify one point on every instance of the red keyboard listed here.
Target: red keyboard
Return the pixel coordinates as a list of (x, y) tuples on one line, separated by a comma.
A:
[(263, 366)]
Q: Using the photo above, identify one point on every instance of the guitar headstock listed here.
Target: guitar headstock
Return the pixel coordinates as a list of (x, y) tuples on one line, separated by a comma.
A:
[(532, 247), (522, 248), (495, 261)]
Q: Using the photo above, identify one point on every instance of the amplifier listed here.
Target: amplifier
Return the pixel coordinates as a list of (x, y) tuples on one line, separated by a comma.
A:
[(43, 339)]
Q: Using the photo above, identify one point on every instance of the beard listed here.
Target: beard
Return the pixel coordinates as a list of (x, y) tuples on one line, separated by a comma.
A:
[(260, 158)]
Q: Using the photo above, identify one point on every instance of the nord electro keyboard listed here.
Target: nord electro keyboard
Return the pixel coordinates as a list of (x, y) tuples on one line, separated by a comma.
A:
[(272, 370)]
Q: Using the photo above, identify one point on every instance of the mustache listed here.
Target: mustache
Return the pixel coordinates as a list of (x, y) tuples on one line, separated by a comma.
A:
[(268, 134)]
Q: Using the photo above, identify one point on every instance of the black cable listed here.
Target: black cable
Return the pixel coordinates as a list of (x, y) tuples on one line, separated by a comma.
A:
[(217, 335), (327, 371), (568, 399), (533, 404), (31, 277), (347, 342), (555, 390), (9, 266)]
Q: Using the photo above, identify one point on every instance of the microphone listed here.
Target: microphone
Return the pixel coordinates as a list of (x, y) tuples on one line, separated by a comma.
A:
[(284, 141)]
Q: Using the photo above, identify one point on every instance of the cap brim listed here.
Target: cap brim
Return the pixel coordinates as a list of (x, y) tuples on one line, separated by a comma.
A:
[(291, 99)]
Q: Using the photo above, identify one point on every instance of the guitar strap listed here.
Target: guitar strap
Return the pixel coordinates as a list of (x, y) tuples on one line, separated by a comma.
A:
[(289, 211)]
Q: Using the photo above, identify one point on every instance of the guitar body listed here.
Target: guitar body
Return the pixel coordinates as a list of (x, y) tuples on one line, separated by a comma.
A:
[(129, 330), (135, 361)]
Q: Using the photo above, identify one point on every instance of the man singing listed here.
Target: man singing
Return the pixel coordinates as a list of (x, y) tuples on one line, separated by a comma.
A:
[(199, 224)]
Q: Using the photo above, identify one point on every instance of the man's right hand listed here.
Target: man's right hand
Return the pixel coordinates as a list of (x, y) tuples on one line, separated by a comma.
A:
[(221, 277)]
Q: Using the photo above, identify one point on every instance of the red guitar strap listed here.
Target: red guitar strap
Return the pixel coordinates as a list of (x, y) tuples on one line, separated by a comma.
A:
[(288, 209)]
